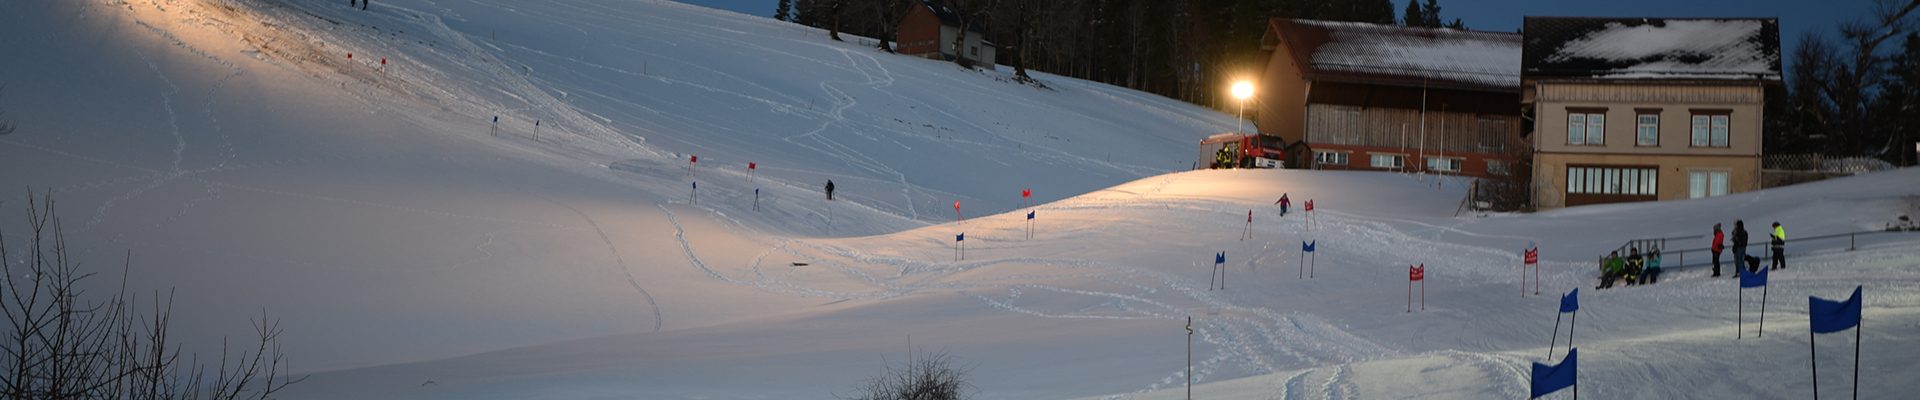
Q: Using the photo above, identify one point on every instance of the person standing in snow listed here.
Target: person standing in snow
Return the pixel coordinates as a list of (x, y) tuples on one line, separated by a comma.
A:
[(1779, 246), (1284, 203), (1718, 239), (1740, 245), (829, 189)]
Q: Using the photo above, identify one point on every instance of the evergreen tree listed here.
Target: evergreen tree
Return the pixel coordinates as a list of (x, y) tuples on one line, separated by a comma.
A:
[(1432, 13), (784, 11), (1456, 24), (1414, 15)]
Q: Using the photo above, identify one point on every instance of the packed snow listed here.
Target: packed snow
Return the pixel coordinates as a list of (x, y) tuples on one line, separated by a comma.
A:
[(412, 253)]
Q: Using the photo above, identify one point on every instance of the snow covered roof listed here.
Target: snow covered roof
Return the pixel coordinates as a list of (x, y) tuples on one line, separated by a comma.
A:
[(1653, 48), (950, 17), (1391, 54)]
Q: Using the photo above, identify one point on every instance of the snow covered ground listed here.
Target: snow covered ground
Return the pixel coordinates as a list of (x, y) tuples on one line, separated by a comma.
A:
[(412, 253)]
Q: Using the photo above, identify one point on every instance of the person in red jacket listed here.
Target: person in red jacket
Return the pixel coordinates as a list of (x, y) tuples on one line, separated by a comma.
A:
[(1719, 239)]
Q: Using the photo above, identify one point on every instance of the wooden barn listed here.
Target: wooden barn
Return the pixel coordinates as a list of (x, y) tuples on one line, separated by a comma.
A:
[(1394, 98)]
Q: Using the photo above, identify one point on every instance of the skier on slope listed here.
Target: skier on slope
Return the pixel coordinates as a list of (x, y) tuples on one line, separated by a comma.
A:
[(829, 189), (1284, 203)]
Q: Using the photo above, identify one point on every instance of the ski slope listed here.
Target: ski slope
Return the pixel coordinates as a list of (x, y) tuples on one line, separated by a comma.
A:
[(413, 253)]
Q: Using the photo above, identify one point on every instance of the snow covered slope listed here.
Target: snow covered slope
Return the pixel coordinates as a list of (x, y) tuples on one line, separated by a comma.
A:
[(241, 158)]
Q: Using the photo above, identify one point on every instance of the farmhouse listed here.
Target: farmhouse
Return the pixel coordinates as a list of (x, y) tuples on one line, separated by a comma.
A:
[(929, 30), (1385, 97), (1640, 109)]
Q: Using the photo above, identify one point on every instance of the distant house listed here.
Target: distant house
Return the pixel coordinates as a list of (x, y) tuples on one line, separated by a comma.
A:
[(1385, 97), (1639, 109), (928, 30)]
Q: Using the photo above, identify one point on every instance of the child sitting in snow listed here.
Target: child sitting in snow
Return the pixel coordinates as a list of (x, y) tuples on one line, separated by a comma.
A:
[(1635, 265), (1652, 274), (1610, 270)]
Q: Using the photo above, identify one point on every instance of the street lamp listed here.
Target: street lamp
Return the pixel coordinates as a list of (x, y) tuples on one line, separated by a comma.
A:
[(1242, 91)]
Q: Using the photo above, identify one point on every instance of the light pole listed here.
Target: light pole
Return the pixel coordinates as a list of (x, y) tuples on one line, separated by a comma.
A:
[(1242, 91)]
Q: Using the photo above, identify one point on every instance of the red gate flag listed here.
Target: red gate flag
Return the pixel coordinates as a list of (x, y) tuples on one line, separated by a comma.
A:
[(751, 165), (349, 56), (1309, 204), (1417, 273), (1249, 215), (383, 61), (1024, 193), (1533, 255), (956, 206), (695, 159)]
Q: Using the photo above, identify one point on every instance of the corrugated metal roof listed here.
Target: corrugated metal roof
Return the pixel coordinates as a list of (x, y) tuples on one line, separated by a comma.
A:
[(1391, 54), (1652, 48)]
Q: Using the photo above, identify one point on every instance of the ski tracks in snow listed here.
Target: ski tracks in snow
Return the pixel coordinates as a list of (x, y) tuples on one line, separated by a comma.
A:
[(619, 262)]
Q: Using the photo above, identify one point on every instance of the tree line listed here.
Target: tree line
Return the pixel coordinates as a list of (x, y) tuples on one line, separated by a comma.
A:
[(1183, 49), (1857, 94)]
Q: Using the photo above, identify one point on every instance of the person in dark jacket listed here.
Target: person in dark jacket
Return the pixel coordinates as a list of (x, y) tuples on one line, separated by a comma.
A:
[(829, 189), (1779, 237), (1719, 240), (1740, 246), (1635, 265)]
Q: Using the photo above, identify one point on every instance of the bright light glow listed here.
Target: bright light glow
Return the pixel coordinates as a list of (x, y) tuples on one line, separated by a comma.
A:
[(1242, 90)]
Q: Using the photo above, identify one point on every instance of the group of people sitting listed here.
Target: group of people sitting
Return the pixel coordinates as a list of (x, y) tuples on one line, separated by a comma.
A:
[(1635, 269)]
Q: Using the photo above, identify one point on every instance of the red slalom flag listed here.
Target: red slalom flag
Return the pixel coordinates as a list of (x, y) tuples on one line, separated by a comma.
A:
[(751, 165), (1417, 273), (1249, 216), (1533, 256), (383, 61), (694, 160), (1024, 193), (349, 56), (1309, 204)]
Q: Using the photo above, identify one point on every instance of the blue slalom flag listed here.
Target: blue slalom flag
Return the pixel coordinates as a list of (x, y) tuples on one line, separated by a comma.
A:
[(1750, 279), (1308, 246), (1029, 215), (1549, 379), (962, 237), (1220, 258), (1571, 301), (1828, 316)]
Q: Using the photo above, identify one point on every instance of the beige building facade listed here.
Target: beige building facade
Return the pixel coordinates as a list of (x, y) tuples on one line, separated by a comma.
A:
[(1611, 142), (1646, 109)]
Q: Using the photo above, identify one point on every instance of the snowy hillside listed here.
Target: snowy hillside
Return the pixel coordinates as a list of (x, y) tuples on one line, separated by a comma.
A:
[(412, 254)]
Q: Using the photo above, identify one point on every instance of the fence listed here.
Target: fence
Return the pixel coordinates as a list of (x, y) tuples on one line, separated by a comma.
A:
[(1823, 163), (1677, 259)]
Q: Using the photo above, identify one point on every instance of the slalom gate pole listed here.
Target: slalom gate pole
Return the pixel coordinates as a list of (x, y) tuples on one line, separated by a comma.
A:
[(1740, 311), (1575, 323), (1856, 354), (1311, 261), (1763, 312), (1556, 336), (1813, 360)]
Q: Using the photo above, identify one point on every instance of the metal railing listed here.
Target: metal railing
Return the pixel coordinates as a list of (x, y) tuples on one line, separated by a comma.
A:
[(1677, 259)]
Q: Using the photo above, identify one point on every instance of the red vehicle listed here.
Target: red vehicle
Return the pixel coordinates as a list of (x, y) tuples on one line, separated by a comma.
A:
[(1238, 150)]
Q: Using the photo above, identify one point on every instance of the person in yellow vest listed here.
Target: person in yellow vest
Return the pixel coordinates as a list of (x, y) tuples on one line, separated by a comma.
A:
[(1779, 246)]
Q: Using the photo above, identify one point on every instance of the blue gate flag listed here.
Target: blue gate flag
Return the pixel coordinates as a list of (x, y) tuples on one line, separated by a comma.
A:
[(1029, 215), (1750, 279), (962, 237), (1828, 316), (1308, 246), (1220, 258), (1549, 379), (1571, 301)]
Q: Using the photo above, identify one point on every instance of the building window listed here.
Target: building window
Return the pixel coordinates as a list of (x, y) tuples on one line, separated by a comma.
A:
[(1493, 134), (1706, 183), (1443, 164), (1710, 129), (1499, 168), (1331, 158), (1389, 161), (1625, 181), (1587, 128), (974, 50), (1647, 129)]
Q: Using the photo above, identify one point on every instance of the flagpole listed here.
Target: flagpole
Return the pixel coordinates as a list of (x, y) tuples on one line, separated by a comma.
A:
[(1556, 335), (1303, 266), (1315, 260), (1740, 312), (1857, 327), (1763, 312), (1570, 325), (1814, 360)]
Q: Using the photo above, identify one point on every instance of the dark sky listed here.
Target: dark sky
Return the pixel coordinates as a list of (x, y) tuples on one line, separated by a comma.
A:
[(1796, 16)]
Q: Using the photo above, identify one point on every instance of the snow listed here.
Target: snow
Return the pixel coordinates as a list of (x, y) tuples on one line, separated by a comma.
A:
[(1678, 48), (1484, 58), (412, 254)]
